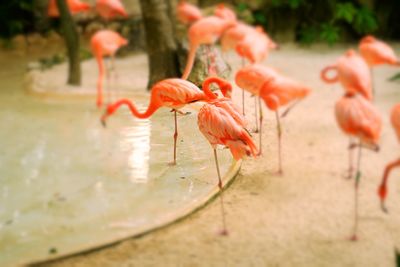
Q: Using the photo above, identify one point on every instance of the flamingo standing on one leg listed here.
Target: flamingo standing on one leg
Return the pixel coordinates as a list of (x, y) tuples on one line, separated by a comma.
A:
[(376, 52), (104, 43), (219, 128), (205, 31), (172, 93), (109, 9), (251, 78), (74, 6), (278, 91), (382, 191), (188, 13), (255, 47), (358, 118), (353, 73)]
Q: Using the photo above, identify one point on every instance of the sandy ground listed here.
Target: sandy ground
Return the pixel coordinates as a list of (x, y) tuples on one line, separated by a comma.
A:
[(303, 218)]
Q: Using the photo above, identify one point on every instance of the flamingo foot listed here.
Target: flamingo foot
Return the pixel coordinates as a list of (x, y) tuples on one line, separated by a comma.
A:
[(348, 174), (103, 122), (172, 163), (255, 130), (279, 173), (224, 232), (354, 237)]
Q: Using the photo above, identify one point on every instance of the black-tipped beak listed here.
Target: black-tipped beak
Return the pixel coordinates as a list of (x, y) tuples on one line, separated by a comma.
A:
[(383, 207)]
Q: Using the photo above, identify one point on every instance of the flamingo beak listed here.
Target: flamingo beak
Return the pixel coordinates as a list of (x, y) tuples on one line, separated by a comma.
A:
[(383, 206), (103, 121)]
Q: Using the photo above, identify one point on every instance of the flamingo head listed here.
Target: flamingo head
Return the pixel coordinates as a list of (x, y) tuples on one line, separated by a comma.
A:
[(368, 39), (226, 90), (350, 53), (109, 110)]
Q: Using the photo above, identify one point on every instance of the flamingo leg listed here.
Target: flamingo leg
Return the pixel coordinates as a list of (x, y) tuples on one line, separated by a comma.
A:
[(108, 79), (260, 123), (175, 136), (224, 230), (256, 113), (243, 92), (350, 169), (356, 187), (279, 131), (286, 112)]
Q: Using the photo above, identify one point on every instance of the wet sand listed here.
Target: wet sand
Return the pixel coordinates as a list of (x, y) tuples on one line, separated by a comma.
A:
[(303, 218)]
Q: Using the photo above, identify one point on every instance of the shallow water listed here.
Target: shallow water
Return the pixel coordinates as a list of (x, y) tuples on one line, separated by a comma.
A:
[(67, 183)]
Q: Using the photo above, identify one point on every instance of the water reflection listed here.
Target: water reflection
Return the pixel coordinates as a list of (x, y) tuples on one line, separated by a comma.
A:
[(135, 139)]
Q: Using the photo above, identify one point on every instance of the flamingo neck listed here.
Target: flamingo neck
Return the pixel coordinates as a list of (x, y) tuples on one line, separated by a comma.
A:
[(150, 109), (222, 84)]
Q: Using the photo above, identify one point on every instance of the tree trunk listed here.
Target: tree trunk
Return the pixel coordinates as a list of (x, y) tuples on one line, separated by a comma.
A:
[(72, 42), (160, 39)]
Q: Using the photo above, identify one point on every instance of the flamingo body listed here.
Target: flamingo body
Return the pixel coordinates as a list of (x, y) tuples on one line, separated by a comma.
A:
[(376, 52), (255, 46), (234, 35), (357, 117), (225, 13), (104, 43), (109, 9), (352, 72), (252, 77), (74, 6), (219, 128)]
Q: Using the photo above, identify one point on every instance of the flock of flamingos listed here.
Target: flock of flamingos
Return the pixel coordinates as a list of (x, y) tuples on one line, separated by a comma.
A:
[(220, 120)]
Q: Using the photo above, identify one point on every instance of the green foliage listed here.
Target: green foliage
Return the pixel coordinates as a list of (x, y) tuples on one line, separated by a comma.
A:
[(329, 33), (365, 21), (346, 11), (16, 17)]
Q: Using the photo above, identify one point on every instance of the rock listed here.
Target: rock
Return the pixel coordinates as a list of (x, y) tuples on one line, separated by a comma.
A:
[(200, 68), (93, 27)]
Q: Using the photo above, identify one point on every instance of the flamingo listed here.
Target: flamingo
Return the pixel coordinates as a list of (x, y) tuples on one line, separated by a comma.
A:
[(251, 78), (357, 117), (354, 75), (278, 91), (219, 128), (376, 52), (205, 31), (74, 6), (172, 93), (104, 43), (188, 13), (382, 191), (109, 9), (254, 47)]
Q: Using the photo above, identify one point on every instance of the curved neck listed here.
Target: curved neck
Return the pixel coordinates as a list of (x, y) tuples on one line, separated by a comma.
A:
[(150, 109), (222, 84)]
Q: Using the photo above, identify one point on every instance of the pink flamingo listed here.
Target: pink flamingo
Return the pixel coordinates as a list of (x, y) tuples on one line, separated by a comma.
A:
[(219, 128), (382, 191), (254, 47), (109, 9), (172, 93), (104, 43), (251, 78), (278, 91), (205, 31), (376, 52), (357, 117), (75, 6), (188, 13), (353, 73)]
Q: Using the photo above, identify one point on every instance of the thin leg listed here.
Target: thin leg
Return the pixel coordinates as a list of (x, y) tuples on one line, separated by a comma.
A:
[(356, 185), (351, 169), (279, 131), (175, 137), (243, 92), (286, 112), (260, 124), (224, 230), (256, 113)]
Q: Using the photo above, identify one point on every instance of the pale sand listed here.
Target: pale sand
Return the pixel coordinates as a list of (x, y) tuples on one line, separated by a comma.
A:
[(303, 218)]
